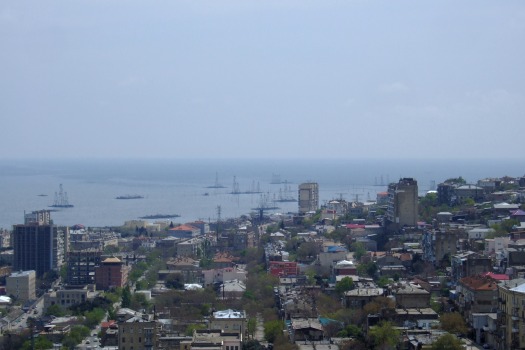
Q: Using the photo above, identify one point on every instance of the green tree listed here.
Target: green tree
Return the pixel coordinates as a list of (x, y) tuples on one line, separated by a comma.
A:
[(75, 336), (55, 310), (126, 297), (94, 317), (252, 345), (252, 327), (359, 250), (345, 284), (272, 329), (453, 322), (41, 343), (369, 269), (384, 336), (447, 342), (175, 281), (193, 327)]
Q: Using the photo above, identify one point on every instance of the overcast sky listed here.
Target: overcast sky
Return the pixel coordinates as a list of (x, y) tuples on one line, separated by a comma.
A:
[(272, 78)]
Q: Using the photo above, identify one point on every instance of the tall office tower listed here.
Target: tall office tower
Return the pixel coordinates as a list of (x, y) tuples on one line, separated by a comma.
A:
[(308, 197), (38, 244), (402, 202)]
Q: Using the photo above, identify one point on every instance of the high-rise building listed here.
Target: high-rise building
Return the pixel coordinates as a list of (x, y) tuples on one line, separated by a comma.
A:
[(21, 285), (308, 197), (402, 202), (38, 244), (81, 265)]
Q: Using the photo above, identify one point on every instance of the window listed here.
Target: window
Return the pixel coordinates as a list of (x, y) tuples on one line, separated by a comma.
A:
[(123, 339), (140, 340)]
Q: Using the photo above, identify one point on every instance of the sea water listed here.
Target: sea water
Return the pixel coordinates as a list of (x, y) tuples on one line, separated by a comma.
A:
[(181, 186)]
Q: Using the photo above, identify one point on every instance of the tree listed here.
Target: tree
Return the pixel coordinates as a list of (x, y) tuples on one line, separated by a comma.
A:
[(272, 329), (175, 280), (193, 327), (447, 342), (94, 317), (359, 250), (126, 297), (345, 284), (41, 343), (252, 327), (453, 322), (369, 269), (55, 310), (384, 336), (252, 345)]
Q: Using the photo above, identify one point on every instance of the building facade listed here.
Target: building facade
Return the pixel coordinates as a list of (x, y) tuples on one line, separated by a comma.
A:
[(111, 273), (402, 202), (81, 266), (38, 244), (511, 331), (308, 197), (21, 285)]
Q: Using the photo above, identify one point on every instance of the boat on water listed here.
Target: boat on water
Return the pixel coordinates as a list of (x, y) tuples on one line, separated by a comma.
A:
[(160, 216), (42, 195), (130, 196), (61, 200)]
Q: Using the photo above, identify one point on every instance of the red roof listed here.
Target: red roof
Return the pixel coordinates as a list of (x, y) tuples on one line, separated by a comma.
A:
[(497, 277), (354, 226)]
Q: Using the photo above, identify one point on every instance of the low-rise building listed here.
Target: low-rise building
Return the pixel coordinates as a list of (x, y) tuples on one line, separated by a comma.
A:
[(359, 297), (136, 330), (66, 298), (229, 321), (409, 296)]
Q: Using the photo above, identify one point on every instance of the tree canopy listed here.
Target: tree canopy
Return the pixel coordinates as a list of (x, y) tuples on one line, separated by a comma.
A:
[(447, 342)]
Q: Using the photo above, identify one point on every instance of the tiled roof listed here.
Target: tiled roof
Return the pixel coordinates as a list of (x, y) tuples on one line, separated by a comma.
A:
[(479, 283)]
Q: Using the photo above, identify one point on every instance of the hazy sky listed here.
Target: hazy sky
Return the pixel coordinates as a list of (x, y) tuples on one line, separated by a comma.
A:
[(270, 78)]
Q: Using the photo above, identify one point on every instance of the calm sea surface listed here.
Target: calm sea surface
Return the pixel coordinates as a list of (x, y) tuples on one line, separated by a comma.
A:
[(179, 186)]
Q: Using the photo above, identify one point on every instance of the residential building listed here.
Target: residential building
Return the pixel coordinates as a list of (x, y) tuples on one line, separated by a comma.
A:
[(403, 202), (283, 268), (68, 297), (81, 266), (184, 231), (225, 274), (359, 297), (306, 329), (213, 339), (21, 285), (511, 331), (411, 297), (38, 244), (233, 289), (438, 245), (136, 331), (111, 273), (477, 294), (308, 197), (229, 321), (469, 264)]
